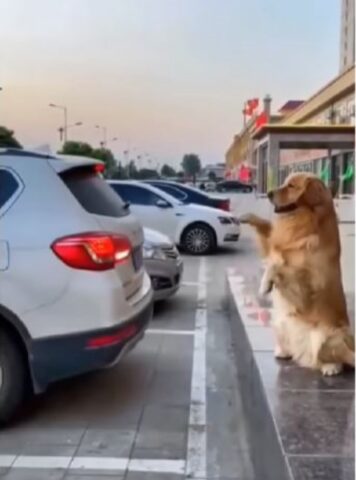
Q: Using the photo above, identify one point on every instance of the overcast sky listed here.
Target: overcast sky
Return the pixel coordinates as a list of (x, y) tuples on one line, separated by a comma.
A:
[(165, 76)]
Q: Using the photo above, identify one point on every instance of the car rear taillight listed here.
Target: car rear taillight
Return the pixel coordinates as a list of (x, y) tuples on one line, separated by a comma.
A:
[(225, 205), (94, 251), (110, 340), (99, 168)]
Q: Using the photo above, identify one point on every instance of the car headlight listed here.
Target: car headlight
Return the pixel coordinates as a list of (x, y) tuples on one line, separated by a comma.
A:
[(150, 251), (225, 220)]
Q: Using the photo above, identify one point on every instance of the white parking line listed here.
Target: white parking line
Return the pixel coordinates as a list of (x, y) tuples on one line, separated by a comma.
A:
[(189, 284), (157, 466), (7, 460), (197, 436), (158, 331), (34, 461), (99, 463), (93, 463)]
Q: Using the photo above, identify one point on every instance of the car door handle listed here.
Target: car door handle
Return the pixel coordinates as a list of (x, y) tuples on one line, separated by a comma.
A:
[(179, 214)]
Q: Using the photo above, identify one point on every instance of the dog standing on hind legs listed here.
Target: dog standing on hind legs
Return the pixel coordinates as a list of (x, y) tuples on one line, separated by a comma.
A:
[(302, 252)]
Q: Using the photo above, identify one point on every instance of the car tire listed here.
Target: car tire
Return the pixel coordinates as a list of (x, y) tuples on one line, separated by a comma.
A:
[(198, 239), (13, 377)]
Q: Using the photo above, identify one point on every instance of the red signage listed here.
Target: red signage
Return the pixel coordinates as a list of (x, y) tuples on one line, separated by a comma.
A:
[(250, 106), (261, 120)]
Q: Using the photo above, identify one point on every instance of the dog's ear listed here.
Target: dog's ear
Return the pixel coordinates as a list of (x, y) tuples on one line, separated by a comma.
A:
[(315, 193)]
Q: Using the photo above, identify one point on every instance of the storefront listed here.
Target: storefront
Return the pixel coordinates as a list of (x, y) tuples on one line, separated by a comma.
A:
[(335, 170)]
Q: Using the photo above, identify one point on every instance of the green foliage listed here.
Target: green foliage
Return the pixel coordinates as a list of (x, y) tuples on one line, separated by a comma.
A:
[(7, 138), (168, 171), (83, 149), (120, 173), (191, 165), (147, 174)]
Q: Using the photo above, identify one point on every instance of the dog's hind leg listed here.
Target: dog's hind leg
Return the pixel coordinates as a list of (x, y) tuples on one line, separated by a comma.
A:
[(337, 350)]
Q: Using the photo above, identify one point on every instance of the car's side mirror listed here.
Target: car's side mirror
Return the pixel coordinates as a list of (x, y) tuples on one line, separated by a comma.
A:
[(162, 204)]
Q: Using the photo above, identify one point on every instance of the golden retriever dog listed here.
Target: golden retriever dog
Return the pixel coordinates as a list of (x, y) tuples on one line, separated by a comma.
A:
[(302, 253)]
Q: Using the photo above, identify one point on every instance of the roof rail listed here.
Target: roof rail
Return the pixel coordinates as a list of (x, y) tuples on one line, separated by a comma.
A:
[(19, 152)]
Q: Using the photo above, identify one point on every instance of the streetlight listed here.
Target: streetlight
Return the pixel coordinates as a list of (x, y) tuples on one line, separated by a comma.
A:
[(61, 107), (104, 129), (61, 129)]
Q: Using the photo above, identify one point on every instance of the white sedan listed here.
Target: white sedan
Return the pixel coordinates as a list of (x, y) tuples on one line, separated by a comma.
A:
[(196, 228)]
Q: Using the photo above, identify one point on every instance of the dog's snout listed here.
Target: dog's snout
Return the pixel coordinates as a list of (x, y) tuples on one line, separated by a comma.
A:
[(270, 194)]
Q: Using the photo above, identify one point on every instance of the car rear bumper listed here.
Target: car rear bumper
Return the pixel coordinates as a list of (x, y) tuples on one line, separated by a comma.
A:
[(57, 358)]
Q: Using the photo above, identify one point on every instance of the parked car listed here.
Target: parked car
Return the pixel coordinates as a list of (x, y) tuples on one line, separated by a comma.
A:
[(187, 194), (233, 186), (163, 264), (196, 228), (74, 294)]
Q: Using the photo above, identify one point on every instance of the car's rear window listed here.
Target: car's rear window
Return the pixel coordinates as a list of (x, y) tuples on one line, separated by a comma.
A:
[(93, 193), (9, 185)]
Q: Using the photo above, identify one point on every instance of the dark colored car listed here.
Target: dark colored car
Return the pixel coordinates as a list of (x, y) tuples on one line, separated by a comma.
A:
[(234, 186), (187, 194)]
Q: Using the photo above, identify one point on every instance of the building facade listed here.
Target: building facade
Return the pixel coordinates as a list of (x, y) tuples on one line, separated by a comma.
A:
[(317, 126), (347, 35)]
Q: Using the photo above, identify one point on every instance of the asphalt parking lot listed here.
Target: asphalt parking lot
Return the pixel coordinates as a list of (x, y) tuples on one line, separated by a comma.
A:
[(170, 410)]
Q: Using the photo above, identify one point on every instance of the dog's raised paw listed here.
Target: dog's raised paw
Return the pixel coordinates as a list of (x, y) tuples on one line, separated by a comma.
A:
[(265, 288), (249, 218), (330, 369)]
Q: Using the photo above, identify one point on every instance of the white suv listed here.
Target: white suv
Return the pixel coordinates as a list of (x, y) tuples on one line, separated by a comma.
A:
[(74, 295)]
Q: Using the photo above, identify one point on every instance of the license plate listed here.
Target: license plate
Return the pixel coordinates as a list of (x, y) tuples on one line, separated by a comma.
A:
[(137, 258)]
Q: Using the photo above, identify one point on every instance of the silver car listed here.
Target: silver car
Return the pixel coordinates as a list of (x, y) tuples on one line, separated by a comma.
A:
[(163, 264)]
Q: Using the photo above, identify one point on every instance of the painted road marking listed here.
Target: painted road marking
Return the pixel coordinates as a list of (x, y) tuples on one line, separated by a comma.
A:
[(33, 461), (92, 463), (99, 463), (157, 466), (7, 460), (197, 437), (157, 331), (190, 284)]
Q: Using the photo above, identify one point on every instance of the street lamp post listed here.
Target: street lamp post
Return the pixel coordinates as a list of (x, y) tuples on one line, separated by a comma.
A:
[(104, 131), (65, 126), (62, 130)]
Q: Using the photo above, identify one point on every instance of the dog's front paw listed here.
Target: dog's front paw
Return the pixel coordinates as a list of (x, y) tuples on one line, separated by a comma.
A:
[(281, 354), (248, 218), (330, 369), (265, 288)]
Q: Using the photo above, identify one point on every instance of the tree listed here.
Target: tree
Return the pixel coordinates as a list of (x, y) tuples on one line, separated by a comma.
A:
[(77, 148), (212, 176), (168, 171), (7, 138), (147, 174), (191, 165), (106, 156), (132, 169), (83, 149), (119, 173)]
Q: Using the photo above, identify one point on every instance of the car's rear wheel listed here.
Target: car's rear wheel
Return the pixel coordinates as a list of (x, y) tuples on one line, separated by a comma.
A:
[(199, 239), (13, 377)]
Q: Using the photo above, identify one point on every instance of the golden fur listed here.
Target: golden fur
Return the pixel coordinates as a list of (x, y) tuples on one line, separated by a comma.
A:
[(302, 252)]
